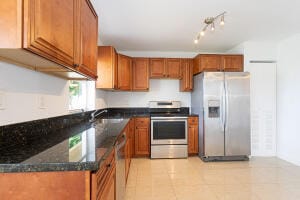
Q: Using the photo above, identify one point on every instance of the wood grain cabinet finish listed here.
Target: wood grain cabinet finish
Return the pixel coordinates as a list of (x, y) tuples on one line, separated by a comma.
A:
[(186, 82), (193, 136), (107, 68), (87, 47), (124, 72), (55, 37), (210, 62), (49, 30), (131, 136), (218, 62), (142, 137), (45, 185), (157, 67), (140, 74), (232, 63), (103, 183), (173, 68), (127, 151)]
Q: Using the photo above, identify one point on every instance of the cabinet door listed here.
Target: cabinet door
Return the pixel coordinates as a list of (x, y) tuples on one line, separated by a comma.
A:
[(196, 65), (193, 135), (193, 139), (157, 68), (210, 62), (50, 30), (87, 49), (131, 136), (186, 82), (109, 190), (232, 63), (127, 158), (142, 143), (140, 78), (124, 72), (173, 68), (106, 68), (142, 137)]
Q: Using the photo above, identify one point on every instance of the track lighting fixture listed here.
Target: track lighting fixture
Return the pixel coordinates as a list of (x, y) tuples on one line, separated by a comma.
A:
[(210, 21)]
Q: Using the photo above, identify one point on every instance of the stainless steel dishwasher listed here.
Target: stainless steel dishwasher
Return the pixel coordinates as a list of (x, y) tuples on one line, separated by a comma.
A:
[(120, 167)]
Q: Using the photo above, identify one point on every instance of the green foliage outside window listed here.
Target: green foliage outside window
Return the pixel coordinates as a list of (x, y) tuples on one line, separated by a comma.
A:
[(74, 140)]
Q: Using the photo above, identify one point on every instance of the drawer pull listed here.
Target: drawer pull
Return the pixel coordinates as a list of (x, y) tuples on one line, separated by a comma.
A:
[(108, 165)]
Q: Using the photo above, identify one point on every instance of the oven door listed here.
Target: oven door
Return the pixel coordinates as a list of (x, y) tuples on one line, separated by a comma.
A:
[(168, 130)]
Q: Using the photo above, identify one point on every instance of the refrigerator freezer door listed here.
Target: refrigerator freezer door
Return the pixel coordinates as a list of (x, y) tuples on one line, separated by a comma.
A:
[(237, 118), (213, 94)]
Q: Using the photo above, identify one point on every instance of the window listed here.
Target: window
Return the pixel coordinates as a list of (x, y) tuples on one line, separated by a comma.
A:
[(81, 95)]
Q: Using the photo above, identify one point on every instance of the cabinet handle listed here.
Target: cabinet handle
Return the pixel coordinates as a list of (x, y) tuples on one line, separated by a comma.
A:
[(76, 65), (108, 165)]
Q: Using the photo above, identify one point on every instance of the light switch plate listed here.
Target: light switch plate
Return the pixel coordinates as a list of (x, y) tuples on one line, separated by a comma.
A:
[(41, 102), (2, 100)]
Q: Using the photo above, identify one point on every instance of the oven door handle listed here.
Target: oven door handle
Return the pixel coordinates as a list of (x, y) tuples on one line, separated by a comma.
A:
[(167, 118)]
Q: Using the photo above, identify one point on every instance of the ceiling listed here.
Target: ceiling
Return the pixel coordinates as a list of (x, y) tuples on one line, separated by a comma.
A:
[(172, 25)]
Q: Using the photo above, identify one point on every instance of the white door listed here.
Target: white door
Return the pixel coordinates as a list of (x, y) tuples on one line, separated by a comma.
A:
[(263, 108)]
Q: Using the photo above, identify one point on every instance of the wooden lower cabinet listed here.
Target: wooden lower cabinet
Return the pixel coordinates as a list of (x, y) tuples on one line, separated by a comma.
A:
[(193, 136), (103, 183), (45, 185), (142, 136)]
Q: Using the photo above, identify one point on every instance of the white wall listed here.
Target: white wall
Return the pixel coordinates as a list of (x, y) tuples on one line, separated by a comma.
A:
[(262, 87), (288, 98), (101, 99), (160, 89), (22, 90)]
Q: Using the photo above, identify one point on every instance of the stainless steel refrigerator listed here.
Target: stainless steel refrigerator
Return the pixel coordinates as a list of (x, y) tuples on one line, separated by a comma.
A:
[(222, 101)]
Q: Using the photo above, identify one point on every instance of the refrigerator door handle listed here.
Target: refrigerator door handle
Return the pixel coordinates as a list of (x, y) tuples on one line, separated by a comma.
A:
[(226, 106), (223, 111)]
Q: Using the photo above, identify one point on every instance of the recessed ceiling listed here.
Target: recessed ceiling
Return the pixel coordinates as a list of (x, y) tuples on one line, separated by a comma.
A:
[(172, 25)]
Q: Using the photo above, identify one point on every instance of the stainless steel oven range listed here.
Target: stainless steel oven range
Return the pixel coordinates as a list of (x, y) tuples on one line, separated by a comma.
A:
[(168, 130)]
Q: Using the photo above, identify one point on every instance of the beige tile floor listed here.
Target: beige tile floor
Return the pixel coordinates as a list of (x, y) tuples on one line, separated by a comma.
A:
[(188, 179)]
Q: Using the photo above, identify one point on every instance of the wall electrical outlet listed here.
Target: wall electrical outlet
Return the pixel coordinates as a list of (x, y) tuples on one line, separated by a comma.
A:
[(42, 102), (2, 100)]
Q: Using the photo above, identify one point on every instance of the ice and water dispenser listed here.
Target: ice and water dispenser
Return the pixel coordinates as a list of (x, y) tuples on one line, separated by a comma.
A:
[(213, 109)]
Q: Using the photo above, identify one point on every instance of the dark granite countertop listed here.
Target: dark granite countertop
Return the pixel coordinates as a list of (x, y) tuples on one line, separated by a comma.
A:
[(64, 143), (79, 147)]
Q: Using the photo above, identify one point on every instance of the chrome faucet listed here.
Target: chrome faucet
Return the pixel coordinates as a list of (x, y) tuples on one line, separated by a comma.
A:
[(95, 114)]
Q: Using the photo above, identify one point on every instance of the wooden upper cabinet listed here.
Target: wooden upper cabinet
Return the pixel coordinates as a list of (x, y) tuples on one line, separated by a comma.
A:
[(196, 65), (210, 62), (124, 72), (157, 67), (173, 68), (215, 62), (140, 74), (233, 63), (87, 47), (56, 37), (107, 68), (49, 30), (186, 82)]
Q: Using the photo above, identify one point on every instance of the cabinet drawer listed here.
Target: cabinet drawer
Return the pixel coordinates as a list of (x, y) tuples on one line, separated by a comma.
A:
[(102, 176), (193, 120), (142, 122), (102, 173)]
